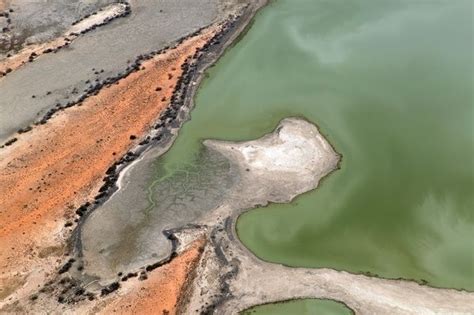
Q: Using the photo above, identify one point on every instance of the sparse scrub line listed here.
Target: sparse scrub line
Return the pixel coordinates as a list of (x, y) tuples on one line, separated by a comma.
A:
[(177, 99), (161, 130), (69, 289), (70, 36), (128, 10)]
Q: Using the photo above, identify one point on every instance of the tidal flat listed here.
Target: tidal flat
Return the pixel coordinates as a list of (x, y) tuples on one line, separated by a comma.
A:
[(126, 232)]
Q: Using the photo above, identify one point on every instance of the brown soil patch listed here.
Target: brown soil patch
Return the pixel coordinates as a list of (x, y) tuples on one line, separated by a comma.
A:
[(162, 292), (9, 285), (50, 171)]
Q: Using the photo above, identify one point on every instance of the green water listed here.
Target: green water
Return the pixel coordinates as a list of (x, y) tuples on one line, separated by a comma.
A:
[(390, 84), (300, 307)]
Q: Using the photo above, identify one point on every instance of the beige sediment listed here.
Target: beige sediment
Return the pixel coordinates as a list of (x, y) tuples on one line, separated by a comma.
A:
[(34, 51), (12, 63), (277, 167), (70, 155)]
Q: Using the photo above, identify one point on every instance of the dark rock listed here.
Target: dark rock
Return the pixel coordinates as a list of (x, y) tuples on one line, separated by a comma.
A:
[(110, 288), (66, 266), (10, 142), (23, 130)]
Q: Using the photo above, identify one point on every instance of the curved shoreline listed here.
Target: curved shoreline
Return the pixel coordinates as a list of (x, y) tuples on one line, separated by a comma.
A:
[(160, 142), (244, 312), (252, 281), (237, 267), (166, 137)]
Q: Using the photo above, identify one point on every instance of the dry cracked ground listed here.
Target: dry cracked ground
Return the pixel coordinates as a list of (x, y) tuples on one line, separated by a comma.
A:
[(91, 93)]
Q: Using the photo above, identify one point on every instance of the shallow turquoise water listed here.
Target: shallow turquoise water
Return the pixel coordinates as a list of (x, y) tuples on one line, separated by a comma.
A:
[(390, 84)]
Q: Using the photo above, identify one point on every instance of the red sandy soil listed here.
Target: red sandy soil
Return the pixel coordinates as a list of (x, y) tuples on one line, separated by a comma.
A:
[(50, 171), (162, 292)]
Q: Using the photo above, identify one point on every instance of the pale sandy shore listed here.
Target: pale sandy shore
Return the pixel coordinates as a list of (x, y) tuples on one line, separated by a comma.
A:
[(276, 168)]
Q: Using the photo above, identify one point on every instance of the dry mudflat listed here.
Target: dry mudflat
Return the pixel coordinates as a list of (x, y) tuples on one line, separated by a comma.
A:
[(74, 148), (70, 154), (31, 52), (30, 22), (29, 92)]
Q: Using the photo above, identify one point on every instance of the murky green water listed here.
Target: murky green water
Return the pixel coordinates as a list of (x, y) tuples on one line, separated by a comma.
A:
[(390, 83), (300, 307)]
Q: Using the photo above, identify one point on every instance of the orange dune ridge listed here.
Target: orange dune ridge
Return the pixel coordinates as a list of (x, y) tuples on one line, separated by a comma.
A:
[(54, 168), (164, 289)]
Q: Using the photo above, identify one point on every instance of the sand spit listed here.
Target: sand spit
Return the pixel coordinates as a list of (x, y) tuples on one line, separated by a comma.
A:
[(245, 281), (71, 153), (91, 22), (290, 161)]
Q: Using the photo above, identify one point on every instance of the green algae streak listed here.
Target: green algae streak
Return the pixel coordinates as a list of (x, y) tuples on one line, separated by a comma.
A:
[(390, 84), (300, 307)]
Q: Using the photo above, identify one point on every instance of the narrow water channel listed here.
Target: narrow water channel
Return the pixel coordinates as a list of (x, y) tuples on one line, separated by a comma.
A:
[(300, 307), (390, 84)]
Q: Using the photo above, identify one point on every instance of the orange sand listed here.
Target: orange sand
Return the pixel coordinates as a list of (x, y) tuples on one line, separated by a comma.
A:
[(163, 290), (56, 167)]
